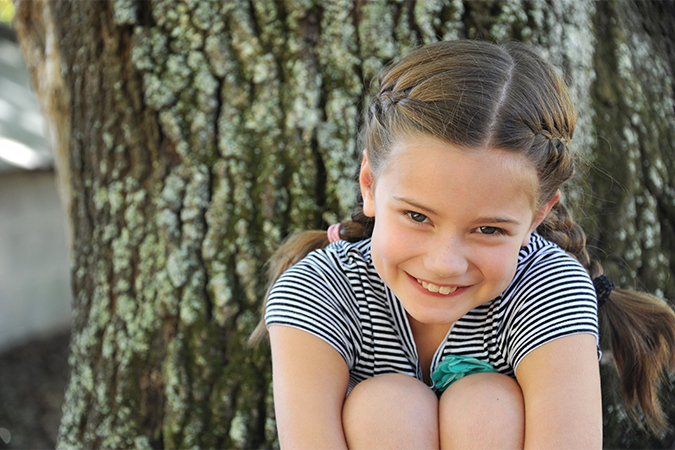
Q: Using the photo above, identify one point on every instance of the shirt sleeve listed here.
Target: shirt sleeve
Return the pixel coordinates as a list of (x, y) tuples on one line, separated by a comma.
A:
[(555, 298), (315, 296)]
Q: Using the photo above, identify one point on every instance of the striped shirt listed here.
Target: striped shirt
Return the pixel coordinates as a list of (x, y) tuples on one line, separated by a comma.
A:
[(336, 294)]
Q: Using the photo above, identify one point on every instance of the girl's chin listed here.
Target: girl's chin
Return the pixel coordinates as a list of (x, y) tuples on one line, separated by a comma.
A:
[(433, 309)]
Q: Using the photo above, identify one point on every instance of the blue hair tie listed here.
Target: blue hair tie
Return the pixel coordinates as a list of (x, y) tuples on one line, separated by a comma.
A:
[(454, 367)]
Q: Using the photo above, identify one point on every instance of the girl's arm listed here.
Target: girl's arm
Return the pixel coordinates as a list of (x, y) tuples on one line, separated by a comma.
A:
[(561, 386), (310, 382)]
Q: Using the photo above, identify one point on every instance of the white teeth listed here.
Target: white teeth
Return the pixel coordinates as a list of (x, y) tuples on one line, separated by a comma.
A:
[(445, 290)]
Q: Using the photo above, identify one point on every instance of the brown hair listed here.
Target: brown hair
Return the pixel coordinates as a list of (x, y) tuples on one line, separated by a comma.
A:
[(474, 94)]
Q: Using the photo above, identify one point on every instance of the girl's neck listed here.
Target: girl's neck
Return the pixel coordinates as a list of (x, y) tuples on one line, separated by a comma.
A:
[(427, 340)]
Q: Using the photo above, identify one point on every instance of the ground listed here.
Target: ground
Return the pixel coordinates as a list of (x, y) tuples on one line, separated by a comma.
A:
[(33, 378)]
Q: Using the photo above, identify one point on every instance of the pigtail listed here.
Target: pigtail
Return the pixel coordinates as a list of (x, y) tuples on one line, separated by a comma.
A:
[(299, 245), (641, 327), (290, 252)]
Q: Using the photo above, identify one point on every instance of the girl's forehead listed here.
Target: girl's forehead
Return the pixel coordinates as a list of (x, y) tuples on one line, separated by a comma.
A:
[(426, 158)]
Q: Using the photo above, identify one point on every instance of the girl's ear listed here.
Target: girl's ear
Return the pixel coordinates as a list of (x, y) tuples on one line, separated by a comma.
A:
[(541, 215), (367, 183)]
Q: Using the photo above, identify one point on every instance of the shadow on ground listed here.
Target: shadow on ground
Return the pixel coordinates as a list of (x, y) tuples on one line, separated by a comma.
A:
[(33, 377)]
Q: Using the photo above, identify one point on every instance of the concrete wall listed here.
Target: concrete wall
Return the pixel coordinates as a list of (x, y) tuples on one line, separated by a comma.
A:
[(34, 264)]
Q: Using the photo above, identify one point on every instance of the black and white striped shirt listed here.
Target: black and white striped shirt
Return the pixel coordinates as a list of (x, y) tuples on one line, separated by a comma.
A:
[(336, 294)]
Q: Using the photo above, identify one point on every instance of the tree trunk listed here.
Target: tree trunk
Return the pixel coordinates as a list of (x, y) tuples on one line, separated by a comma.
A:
[(194, 135)]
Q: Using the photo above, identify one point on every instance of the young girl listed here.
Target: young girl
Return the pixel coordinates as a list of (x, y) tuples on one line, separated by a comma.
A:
[(459, 307)]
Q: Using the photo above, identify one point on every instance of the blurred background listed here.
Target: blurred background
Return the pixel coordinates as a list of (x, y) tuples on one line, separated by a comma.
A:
[(34, 265)]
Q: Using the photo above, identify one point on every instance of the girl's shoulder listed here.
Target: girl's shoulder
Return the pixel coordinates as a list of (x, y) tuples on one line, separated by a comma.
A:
[(551, 296), (324, 294), (547, 277)]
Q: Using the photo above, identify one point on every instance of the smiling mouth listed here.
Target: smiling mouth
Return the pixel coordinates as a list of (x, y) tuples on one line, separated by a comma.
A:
[(445, 290)]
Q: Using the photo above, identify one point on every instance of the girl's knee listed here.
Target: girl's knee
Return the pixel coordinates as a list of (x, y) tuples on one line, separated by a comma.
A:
[(482, 410), (391, 411)]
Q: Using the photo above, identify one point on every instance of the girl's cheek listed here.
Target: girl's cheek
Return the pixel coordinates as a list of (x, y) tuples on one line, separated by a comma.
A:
[(393, 239)]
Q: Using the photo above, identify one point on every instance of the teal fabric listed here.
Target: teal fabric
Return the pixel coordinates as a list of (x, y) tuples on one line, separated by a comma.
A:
[(453, 367)]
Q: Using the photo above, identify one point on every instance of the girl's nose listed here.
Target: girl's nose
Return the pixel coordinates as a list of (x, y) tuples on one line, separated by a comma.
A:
[(447, 258)]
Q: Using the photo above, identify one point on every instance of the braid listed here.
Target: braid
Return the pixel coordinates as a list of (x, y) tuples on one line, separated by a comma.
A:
[(383, 103), (549, 151), (555, 165), (559, 227)]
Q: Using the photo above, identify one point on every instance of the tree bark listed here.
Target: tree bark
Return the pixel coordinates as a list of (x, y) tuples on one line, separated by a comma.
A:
[(193, 136)]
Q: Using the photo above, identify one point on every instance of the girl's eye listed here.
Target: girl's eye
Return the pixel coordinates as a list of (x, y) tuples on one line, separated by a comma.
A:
[(417, 217), (490, 230)]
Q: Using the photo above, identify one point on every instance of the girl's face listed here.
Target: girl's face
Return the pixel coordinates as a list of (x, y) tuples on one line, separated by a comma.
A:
[(449, 224)]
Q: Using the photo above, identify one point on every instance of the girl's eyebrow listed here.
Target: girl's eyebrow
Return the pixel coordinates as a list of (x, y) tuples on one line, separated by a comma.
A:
[(495, 220), (415, 205)]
